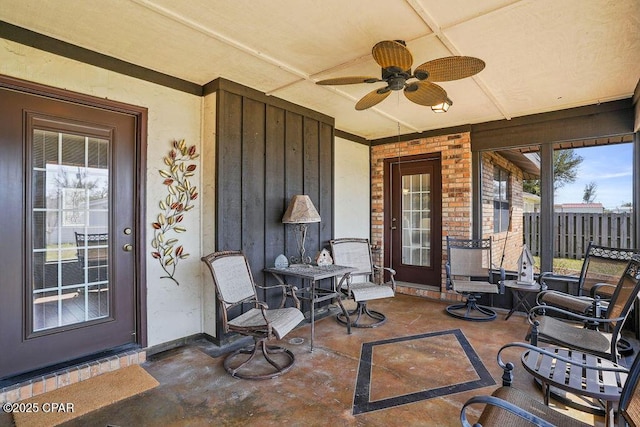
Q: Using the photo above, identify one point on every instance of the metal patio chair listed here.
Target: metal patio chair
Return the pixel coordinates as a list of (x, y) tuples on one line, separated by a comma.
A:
[(93, 255), (508, 406), (468, 270), (361, 286), (601, 269), (574, 334), (235, 287)]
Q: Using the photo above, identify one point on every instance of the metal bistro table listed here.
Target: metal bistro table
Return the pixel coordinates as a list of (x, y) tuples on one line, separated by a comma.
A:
[(312, 275), (604, 382), (519, 291)]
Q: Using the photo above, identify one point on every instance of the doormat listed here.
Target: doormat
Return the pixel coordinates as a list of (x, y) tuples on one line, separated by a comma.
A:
[(66, 403), (404, 370)]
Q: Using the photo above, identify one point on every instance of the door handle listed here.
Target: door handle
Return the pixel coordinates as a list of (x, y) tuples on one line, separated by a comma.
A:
[(127, 247), (393, 221)]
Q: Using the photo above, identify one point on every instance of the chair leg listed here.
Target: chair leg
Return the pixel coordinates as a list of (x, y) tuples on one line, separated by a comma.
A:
[(259, 350), (471, 310), (359, 311)]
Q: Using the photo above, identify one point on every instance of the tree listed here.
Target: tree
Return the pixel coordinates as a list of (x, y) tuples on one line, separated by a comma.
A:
[(589, 192), (565, 170)]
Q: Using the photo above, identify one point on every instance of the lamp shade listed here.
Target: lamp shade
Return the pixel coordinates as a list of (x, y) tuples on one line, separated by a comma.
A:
[(301, 211)]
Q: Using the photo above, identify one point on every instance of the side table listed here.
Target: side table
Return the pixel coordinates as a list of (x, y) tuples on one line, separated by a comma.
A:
[(312, 274), (519, 291)]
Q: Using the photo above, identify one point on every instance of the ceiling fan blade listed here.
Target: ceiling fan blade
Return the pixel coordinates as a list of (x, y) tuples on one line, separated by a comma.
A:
[(425, 93), (390, 53), (348, 80), (451, 68), (372, 98)]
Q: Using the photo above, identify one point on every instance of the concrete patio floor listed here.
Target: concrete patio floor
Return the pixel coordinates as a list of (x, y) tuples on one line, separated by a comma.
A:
[(422, 359)]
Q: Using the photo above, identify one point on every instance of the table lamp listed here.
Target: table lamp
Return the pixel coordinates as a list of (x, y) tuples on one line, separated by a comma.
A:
[(301, 212)]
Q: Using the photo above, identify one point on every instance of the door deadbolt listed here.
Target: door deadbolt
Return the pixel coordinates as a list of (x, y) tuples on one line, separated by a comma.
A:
[(127, 247), (127, 231)]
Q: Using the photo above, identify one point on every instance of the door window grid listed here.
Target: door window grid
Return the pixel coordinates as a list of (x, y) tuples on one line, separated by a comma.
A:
[(501, 200), (65, 292), (416, 220)]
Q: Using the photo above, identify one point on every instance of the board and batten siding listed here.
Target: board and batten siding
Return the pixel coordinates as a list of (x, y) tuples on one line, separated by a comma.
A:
[(265, 154)]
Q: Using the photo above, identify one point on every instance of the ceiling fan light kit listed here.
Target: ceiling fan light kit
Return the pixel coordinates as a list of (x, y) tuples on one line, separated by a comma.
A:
[(442, 108), (395, 60)]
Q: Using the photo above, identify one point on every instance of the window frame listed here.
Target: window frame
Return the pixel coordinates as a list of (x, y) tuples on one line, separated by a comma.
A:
[(501, 206)]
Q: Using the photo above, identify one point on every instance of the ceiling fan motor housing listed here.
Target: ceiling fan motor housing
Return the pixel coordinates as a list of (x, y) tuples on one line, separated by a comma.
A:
[(395, 77)]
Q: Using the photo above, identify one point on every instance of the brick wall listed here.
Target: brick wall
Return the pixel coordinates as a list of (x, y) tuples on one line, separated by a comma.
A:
[(513, 237), (455, 156)]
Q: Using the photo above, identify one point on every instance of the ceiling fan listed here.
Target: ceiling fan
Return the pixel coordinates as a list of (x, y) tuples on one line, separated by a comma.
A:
[(396, 60)]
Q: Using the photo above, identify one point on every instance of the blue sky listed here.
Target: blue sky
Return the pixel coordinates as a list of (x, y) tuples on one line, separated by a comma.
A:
[(609, 166)]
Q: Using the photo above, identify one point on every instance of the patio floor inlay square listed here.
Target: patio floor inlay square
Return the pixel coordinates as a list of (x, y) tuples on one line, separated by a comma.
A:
[(388, 377)]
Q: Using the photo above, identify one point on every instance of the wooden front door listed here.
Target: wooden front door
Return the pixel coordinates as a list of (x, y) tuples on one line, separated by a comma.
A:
[(68, 255), (413, 225)]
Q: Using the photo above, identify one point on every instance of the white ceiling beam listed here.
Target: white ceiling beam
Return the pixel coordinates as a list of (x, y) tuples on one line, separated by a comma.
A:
[(438, 31), (220, 37), (257, 54)]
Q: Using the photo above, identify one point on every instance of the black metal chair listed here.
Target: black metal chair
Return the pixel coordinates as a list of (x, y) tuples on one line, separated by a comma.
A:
[(601, 269), (468, 268), (234, 288), (93, 255), (508, 406), (361, 285), (548, 328)]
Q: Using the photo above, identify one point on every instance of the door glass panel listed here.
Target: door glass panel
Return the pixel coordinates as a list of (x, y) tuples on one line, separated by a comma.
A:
[(70, 211), (416, 219)]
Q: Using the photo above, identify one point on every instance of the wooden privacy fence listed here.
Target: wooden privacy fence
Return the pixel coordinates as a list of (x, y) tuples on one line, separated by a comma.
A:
[(574, 231)]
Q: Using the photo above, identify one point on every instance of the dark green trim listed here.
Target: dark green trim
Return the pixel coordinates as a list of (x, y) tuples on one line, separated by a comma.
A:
[(476, 194), (351, 137), (77, 53), (221, 84), (420, 135), (636, 190), (573, 124), (546, 206)]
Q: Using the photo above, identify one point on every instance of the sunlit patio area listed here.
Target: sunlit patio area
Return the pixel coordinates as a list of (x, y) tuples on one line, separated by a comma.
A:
[(416, 370)]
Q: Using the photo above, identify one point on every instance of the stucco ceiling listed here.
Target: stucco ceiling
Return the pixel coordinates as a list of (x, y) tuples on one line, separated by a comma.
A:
[(541, 55)]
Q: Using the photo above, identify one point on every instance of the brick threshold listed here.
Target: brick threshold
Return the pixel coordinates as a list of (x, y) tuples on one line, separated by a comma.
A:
[(426, 291), (70, 375)]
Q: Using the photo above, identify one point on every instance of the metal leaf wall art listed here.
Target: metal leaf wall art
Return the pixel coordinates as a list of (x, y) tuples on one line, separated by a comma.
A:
[(167, 248)]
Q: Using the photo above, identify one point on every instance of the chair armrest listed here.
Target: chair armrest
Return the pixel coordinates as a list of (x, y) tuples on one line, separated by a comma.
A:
[(447, 267), (392, 273), (532, 315), (558, 277), (541, 294), (287, 291), (345, 278), (503, 277), (595, 288), (507, 406), (574, 303), (573, 362)]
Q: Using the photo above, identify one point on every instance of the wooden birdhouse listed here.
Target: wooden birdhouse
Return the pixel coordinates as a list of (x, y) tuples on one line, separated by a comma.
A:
[(324, 258), (525, 267)]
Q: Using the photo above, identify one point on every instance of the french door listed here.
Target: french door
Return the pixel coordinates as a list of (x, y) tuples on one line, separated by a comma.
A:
[(413, 242), (68, 280)]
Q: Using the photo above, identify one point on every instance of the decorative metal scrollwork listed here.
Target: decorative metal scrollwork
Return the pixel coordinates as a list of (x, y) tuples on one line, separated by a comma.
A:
[(178, 202)]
